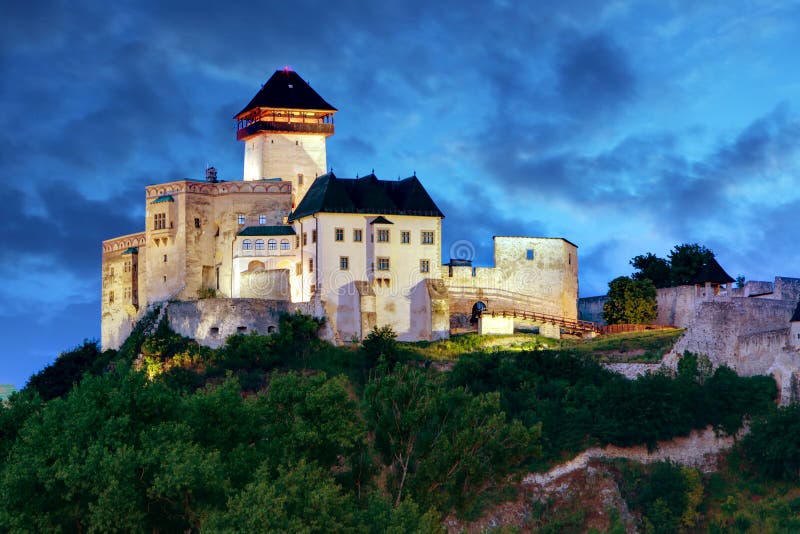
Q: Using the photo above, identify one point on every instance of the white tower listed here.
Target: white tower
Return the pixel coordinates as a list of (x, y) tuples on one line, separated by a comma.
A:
[(284, 128)]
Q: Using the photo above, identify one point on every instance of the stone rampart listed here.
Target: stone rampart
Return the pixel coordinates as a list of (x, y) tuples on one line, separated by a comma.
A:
[(591, 308), (211, 321)]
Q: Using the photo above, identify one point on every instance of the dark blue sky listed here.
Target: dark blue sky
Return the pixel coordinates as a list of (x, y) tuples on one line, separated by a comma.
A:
[(625, 127)]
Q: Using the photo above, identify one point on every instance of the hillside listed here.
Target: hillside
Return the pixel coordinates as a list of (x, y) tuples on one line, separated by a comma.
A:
[(286, 432)]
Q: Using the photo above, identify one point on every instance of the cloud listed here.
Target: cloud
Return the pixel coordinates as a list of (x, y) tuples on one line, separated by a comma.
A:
[(593, 74)]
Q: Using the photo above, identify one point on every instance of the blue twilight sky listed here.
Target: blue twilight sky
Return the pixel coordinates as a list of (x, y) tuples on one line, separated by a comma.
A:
[(625, 127)]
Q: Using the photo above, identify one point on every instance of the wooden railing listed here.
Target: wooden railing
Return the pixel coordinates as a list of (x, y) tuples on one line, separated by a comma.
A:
[(571, 326), (284, 126), (620, 328)]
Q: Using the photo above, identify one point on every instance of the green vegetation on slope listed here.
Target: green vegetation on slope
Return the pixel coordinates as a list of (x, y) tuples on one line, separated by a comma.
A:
[(169, 435)]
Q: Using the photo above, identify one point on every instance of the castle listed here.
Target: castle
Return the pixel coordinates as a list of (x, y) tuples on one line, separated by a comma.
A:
[(229, 257)]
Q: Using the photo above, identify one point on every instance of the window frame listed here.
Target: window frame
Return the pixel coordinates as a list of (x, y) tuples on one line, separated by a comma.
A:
[(338, 235), (358, 235), (383, 264), (424, 234), (383, 235), (344, 263), (405, 237)]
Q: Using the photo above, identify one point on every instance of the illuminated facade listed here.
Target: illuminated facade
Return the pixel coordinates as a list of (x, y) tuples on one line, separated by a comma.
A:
[(360, 252)]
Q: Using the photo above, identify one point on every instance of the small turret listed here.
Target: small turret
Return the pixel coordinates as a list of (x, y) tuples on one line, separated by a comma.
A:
[(211, 175)]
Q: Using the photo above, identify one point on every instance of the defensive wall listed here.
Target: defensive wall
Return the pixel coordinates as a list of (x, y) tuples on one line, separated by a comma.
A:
[(211, 321)]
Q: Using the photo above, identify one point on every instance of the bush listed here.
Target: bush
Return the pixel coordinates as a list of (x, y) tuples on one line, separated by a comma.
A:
[(379, 344)]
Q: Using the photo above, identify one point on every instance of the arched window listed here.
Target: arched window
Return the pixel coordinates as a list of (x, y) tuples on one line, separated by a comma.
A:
[(247, 244), (284, 244), (259, 244), (272, 245)]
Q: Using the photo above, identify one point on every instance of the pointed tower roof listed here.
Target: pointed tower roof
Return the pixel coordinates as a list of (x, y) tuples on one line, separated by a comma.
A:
[(287, 90), (796, 317), (712, 272)]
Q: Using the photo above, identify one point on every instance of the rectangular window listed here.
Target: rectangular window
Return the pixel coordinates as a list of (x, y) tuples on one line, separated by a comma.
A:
[(338, 234), (299, 269), (111, 272), (529, 254), (344, 263), (313, 236), (111, 297), (383, 236), (305, 238), (357, 235), (383, 264), (299, 179), (311, 265), (241, 218), (127, 267), (296, 241), (424, 266), (427, 237), (405, 237), (196, 222), (159, 221), (165, 258), (262, 219), (127, 293)]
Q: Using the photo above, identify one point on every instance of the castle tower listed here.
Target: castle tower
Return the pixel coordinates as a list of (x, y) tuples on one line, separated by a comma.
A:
[(284, 128)]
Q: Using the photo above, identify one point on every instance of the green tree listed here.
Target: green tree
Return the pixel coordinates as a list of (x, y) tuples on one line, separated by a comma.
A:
[(686, 261), (773, 444), (303, 498), (297, 337), (68, 369), (630, 302), (651, 267), (379, 344)]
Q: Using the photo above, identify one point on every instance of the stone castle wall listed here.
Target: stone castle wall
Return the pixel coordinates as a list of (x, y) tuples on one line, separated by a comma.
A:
[(211, 321)]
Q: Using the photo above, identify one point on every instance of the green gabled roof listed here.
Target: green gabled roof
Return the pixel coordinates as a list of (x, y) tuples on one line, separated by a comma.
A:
[(368, 195), (132, 250), (713, 273), (163, 198), (267, 230)]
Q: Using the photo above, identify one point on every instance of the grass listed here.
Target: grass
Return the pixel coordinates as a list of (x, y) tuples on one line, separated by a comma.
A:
[(457, 345), (647, 346), (737, 500)]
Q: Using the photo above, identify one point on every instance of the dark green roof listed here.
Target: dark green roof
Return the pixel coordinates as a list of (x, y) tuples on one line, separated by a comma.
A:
[(268, 230), (287, 90), (380, 219), (368, 195), (132, 250), (163, 198), (713, 273), (796, 317)]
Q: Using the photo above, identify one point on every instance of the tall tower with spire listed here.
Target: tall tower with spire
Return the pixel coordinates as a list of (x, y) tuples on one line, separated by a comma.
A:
[(284, 128)]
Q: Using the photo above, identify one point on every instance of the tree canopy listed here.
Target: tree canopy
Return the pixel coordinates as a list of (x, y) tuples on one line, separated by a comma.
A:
[(630, 302), (681, 267)]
